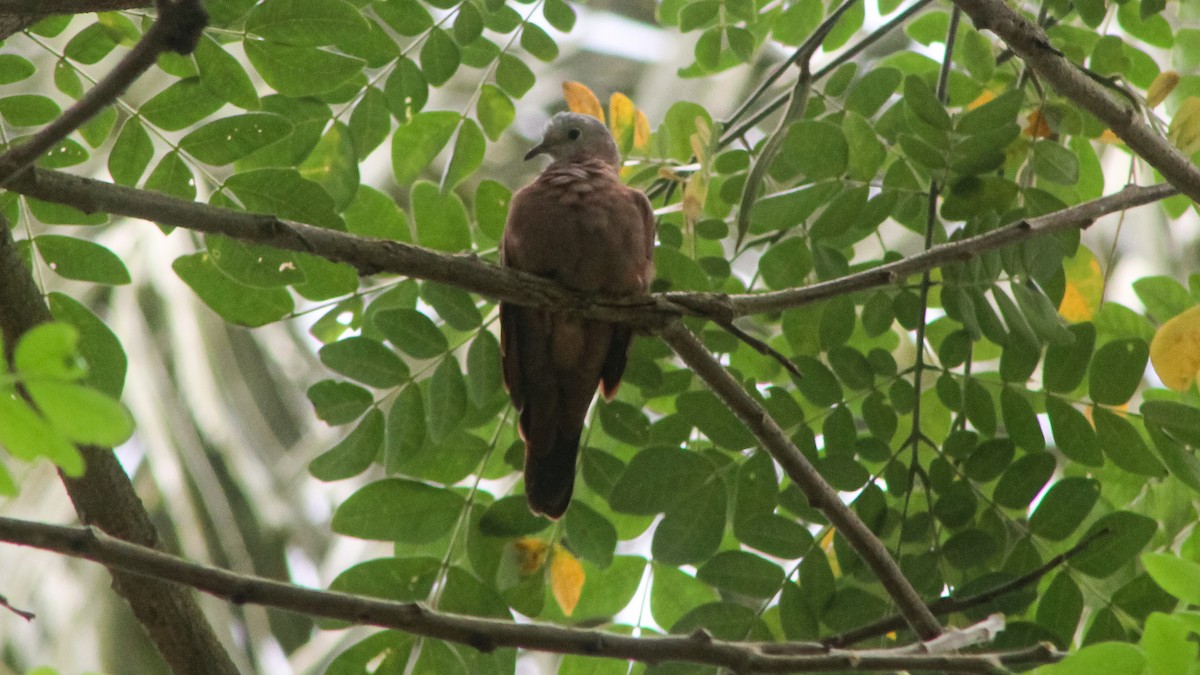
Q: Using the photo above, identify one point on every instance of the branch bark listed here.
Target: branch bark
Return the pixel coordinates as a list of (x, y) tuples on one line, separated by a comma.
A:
[(104, 496), (819, 493), (466, 271), (1029, 41), (490, 634)]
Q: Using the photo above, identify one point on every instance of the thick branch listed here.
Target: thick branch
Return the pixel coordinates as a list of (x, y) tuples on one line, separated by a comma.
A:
[(489, 634), (1029, 41), (177, 29), (819, 493), (104, 496), (469, 273), (27, 7)]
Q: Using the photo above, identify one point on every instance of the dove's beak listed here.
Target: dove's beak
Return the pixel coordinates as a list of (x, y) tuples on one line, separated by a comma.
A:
[(535, 151)]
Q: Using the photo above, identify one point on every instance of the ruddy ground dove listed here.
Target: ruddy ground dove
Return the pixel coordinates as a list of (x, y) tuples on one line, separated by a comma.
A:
[(579, 225)]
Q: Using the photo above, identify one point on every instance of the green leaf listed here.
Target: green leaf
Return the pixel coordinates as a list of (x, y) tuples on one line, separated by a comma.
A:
[(1059, 609), (374, 214), (815, 150), (1175, 575), (27, 435), (339, 402), (405, 426), (131, 153), (97, 344), (253, 264), (869, 94), (222, 141), (594, 538), (306, 23), (491, 207), (398, 510), (691, 529), (441, 218), (742, 572), (1122, 443), (510, 517), (365, 360), (235, 302), (538, 43), (1128, 534), (1110, 658), (15, 68), (1073, 433), (354, 453), (714, 420), (416, 143), (300, 71), (81, 414), (180, 105), (1163, 297), (333, 165), (467, 157), (447, 399), (483, 368), (406, 91), (919, 99), (399, 579), (1117, 370), (1042, 315), (513, 76), (1066, 363), (1024, 479), (370, 122), (285, 194), (1064, 507), (559, 14), (1020, 421), (224, 75), (27, 110), (49, 349), (406, 17), (495, 111), (657, 479), (1055, 163), (90, 45), (81, 259), (66, 153), (412, 332), (439, 57)]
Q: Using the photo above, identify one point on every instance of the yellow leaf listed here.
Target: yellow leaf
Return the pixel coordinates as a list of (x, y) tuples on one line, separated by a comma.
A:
[(986, 97), (580, 99), (1084, 289), (641, 131), (1162, 85), (827, 547), (695, 191), (1107, 136), (566, 579), (1038, 126), (1184, 130), (531, 554), (621, 119), (1175, 350)]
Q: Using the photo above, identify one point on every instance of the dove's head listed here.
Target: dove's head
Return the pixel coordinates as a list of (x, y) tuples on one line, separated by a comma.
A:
[(574, 137)]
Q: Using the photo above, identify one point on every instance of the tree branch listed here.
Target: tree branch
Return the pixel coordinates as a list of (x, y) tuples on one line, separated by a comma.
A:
[(105, 496), (23, 7), (466, 271), (819, 493), (1029, 42), (177, 29), (489, 634)]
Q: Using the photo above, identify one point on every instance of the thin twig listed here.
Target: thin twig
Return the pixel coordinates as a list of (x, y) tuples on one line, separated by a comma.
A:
[(795, 110), (177, 29), (819, 493), (24, 614), (760, 346), (952, 605)]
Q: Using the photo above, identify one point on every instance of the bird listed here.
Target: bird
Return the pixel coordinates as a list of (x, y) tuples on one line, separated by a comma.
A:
[(580, 226)]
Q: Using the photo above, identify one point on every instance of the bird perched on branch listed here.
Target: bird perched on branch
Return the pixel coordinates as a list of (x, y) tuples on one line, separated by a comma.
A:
[(579, 225)]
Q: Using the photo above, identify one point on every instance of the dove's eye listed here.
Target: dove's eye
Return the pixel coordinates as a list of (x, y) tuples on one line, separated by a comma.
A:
[(573, 134)]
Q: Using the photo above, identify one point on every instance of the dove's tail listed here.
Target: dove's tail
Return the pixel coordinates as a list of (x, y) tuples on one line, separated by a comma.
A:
[(550, 476)]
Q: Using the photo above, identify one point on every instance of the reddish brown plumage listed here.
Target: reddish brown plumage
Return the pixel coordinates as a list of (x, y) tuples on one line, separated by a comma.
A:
[(579, 225)]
